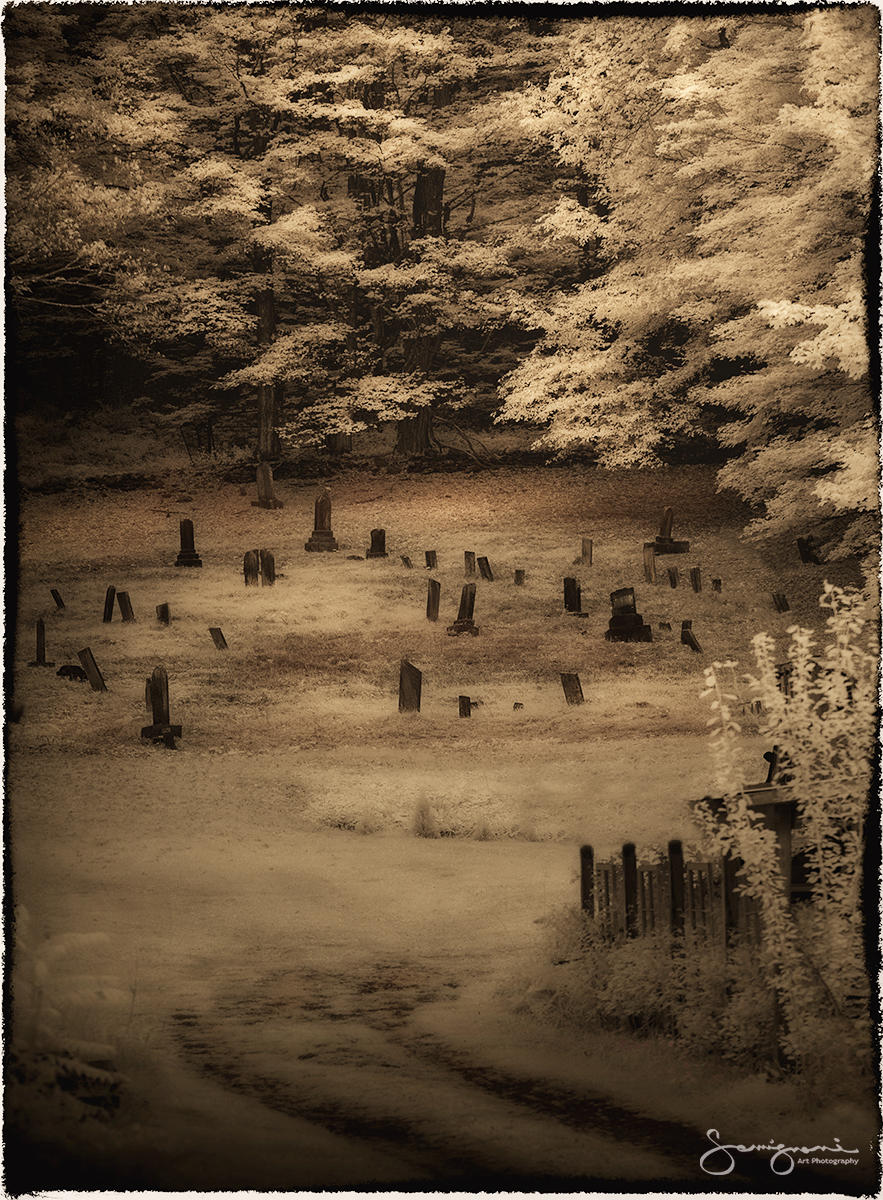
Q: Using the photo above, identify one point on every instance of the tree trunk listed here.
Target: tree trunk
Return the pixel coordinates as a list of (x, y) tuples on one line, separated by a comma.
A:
[(338, 443), (428, 209), (269, 395), (415, 433)]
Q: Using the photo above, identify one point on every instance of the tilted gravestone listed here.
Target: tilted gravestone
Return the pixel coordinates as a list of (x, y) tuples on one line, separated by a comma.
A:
[(125, 606), (187, 556), (56, 596), (485, 568), (266, 495), (322, 538), (573, 691), (688, 637), (665, 543), (433, 595), (410, 687), (96, 679), (109, 600), (218, 637), (40, 660), (268, 568), (162, 729), (377, 549), (626, 624), (465, 622), (251, 568)]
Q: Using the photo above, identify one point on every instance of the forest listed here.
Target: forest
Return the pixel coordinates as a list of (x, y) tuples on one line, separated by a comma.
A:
[(442, 607)]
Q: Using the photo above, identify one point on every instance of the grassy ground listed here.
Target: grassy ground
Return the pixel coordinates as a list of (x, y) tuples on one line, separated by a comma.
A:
[(226, 872)]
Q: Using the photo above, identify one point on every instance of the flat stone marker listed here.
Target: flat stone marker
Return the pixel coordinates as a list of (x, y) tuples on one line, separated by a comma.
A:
[(465, 622), (688, 637), (649, 562), (377, 549), (162, 729), (251, 567), (807, 551), (266, 495), (433, 595), (696, 578), (406, 562), (431, 560), (469, 561), (218, 638), (465, 706), (56, 596), (573, 692), (163, 615), (268, 568), (673, 576), (716, 585), (322, 538), (410, 687), (519, 578), (485, 568), (109, 599), (781, 602), (665, 544), (96, 679), (572, 596), (626, 624), (125, 606), (187, 556), (40, 660)]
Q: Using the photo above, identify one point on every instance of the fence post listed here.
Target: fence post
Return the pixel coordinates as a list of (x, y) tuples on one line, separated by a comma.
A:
[(729, 869), (630, 886), (587, 880), (676, 882)]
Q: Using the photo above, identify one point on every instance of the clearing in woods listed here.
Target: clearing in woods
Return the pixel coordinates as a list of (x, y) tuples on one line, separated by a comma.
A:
[(284, 962)]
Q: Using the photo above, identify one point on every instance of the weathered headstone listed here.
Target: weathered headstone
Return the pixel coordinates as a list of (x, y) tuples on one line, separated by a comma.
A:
[(187, 556), (322, 538), (665, 543), (586, 551), (377, 549), (517, 706), (162, 729), (96, 679), (673, 576), (109, 600), (626, 623), (807, 551), (649, 562), (266, 495), (251, 567), (218, 637), (410, 687), (572, 595), (406, 562), (431, 560), (40, 660), (781, 602), (716, 585), (268, 568), (688, 637), (465, 622), (573, 692), (469, 561), (162, 614), (465, 706), (696, 578), (485, 568), (56, 596), (125, 606), (519, 578), (433, 595)]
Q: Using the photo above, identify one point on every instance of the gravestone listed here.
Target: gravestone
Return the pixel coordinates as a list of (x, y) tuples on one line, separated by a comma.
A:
[(251, 568), (573, 692), (716, 585), (109, 600), (696, 578), (585, 554), (40, 660), (431, 560), (322, 538), (572, 595), (688, 637), (125, 606), (469, 561), (673, 576), (781, 602), (163, 615), (807, 551), (465, 706), (665, 625), (268, 568), (266, 495), (187, 556), (485, 568), (665, 543), (377, 549), (218, 637), (433, 596), (56, 596), (148, 694), (465, 622), (406, 562), (626, 623), (519, 578), (410, 687), (649, 562), (96, 679), (162, 729)]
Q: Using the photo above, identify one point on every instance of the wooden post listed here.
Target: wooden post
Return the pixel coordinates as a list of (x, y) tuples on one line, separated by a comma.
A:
[(587, 880), (268, 568), (40, 660), (56, 596), (125, 606), (696, 578), (162, 614), (433, 595), (673, 576), (630, 885), (218, 638), (431, 560), (465, 706), (676, 886), (649, 562), (410, 687), (109, 598), (251, 568), (519, 578), (573, 692), (469, 561), (96, 680), (485, 568)]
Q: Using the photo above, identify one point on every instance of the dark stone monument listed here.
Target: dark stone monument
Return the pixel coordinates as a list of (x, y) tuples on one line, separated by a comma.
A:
[(162, 729), (465, 706), (40, 660), (251, 568), (56, 596), (377, 549), (266, 495), (218, 637), (626, 624), (268, 568), (573, 692), (673, 576), (410, 687), (109, 599), (433, 596), (519, 578), (322, 538), (688, 637), (431, 560), (187, 556), (464, 622), (781, 602), (125, 606), (572, 596), (696, 578), (163, 615), (485, 568), (96, 679), (469, 561), (406, 562), (664, 543)]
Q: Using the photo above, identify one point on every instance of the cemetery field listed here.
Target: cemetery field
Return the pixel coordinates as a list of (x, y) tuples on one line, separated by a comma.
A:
[(283, 959)]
